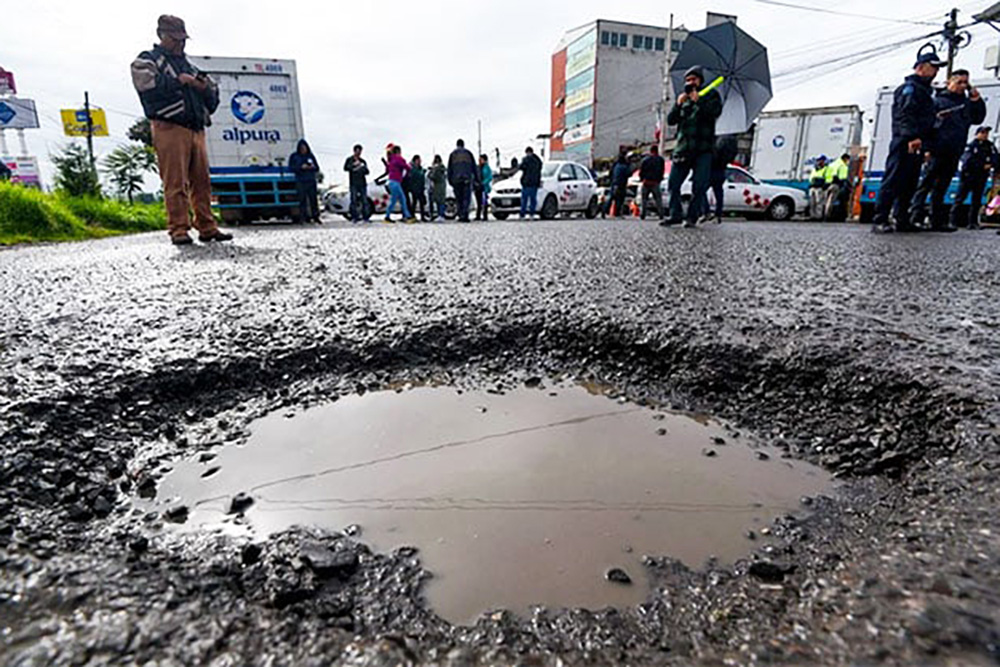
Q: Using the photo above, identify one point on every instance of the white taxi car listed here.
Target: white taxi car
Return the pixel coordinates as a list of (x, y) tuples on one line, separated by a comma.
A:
[(337, 199), (567, 187), (743, 193)]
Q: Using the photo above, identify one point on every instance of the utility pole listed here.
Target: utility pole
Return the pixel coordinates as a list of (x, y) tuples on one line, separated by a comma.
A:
[(90, 130), (664, 104), (479, 144), (952, 37)]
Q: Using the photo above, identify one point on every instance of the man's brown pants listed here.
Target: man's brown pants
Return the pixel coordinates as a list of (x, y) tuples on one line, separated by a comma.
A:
[(183, 161)]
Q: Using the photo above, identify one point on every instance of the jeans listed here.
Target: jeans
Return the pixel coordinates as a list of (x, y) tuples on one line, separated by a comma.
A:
[(700, 167), (359, 202), (529, 200), (973, 185), (902, 171), (936, 182), (396, 194), (656, 194)]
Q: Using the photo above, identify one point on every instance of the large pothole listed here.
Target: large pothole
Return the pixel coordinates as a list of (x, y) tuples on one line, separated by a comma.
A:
[(538, 496)]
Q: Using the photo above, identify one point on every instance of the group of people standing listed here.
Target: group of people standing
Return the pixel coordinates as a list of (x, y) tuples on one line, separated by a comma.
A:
[(929, 132), (415, 189), (827, 183)]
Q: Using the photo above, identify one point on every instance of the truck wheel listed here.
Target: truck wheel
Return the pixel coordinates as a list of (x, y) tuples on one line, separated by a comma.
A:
[(781, 209), (450, 209), (232, 216), (500, 216), (593, 208), (550, 208)]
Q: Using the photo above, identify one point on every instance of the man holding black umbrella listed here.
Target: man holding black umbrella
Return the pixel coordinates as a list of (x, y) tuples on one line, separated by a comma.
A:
[(694, 115)]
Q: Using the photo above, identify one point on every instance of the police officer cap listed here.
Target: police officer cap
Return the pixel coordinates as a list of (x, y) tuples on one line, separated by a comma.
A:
[(931, 58), (983, 128)]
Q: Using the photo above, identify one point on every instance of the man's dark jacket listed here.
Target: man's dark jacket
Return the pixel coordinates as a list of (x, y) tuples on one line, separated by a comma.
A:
[(163, 97), (298, 161), (913, 112), (695, 123), (462, 167), (956, 113), (357, 175), (531, 171), (977, 157), (652, 168)]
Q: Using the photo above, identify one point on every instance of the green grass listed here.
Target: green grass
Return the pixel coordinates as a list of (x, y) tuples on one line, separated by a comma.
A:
[(116, 215), (28, 215)]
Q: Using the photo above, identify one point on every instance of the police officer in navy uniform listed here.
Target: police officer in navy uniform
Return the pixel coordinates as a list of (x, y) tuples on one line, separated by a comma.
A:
[(913, 119), (959, 107)]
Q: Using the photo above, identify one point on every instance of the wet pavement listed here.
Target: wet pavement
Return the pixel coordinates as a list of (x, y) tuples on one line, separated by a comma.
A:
[(516, 500), (874, 357)]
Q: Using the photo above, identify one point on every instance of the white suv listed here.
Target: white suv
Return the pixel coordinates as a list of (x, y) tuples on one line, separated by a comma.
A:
[(567, 187)]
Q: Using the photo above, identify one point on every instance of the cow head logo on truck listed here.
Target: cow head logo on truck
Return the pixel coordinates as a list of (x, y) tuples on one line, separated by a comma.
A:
[(247, 106)]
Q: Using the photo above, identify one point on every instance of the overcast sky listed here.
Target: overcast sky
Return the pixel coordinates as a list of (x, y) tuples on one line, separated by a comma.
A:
[(422, 73)]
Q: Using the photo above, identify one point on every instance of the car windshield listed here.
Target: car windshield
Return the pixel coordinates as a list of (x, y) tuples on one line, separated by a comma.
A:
[(549, 170)]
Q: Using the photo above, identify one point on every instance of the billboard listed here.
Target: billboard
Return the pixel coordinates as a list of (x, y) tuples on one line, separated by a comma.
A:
[(24, 170), (18, 114), (578, 134), (581, 55), (75, 122), (7, 86)]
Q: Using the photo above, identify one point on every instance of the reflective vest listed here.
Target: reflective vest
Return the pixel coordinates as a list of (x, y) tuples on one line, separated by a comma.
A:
[(839, 170), (821, 176)]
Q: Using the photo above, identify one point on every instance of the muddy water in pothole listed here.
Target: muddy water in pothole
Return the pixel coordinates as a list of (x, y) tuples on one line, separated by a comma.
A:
[(513, 500)]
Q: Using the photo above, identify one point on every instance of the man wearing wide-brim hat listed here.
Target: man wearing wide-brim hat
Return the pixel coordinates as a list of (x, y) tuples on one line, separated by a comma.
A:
[(179, 101)]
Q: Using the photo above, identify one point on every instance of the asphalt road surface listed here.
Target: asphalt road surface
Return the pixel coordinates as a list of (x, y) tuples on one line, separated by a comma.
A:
[(876, 357)]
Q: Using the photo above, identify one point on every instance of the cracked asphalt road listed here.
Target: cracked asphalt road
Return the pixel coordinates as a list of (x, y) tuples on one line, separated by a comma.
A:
[(876, 357)]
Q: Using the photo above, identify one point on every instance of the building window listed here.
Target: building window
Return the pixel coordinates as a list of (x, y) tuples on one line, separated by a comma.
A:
[(660, 43), (636, 41), (614, 39), (624, 39), (675, 46), (649, 43), (605, 37)]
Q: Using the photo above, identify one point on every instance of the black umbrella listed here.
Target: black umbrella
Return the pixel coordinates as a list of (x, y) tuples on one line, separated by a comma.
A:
[(725, 50)]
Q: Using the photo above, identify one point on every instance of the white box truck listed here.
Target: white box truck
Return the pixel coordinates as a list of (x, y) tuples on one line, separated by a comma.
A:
[(255, 129), (882, 137), (786, 143)]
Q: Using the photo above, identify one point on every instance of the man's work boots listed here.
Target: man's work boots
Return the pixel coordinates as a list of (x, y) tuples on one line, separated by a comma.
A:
[(216, 236)]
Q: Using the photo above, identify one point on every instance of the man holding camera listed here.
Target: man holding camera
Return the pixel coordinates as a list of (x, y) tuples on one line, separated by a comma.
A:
[(695, 116), (179, 100)]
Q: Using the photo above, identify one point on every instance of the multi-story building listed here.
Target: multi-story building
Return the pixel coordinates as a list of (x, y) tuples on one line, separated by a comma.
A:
[(607, 87)]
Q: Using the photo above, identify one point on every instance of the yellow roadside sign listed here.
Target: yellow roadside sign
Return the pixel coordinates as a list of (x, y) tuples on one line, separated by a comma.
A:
[(75, 122)]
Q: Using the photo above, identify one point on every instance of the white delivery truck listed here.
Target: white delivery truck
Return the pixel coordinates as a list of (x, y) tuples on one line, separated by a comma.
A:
[(882, 137), (786, 143), (255, 129)]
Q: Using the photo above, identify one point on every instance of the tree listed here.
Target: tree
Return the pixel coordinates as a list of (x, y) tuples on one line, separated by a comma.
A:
[(141, 132), (126, 167), (74, 174)]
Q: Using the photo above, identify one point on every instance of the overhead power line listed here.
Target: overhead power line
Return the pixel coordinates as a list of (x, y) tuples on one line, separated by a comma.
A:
[(821, 10), (874, 51)]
